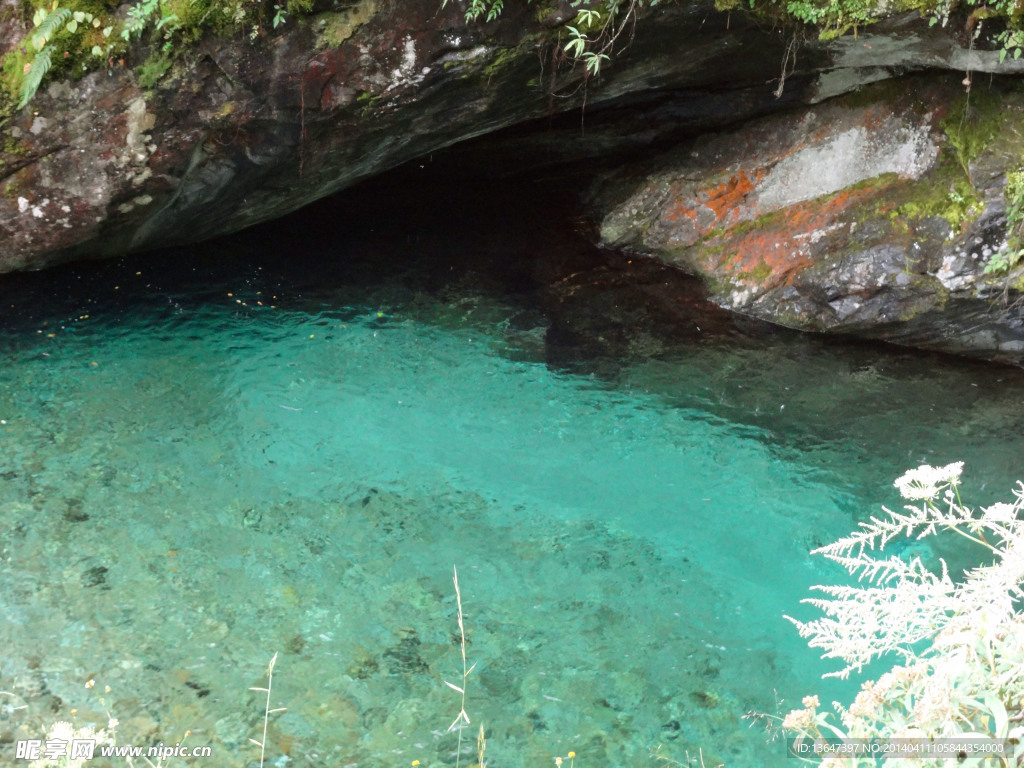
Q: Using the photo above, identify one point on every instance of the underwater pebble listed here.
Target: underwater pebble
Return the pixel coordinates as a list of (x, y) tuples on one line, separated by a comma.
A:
[(95, 576)]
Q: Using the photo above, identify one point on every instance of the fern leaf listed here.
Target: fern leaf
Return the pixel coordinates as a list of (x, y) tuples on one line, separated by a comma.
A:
[(35, 75), (50, 25)]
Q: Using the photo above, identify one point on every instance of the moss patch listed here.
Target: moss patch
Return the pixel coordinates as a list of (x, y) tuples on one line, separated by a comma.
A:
[(153, 70), (14, 147), (337, 27), (943, 193), (502, 59), (14, 70), (758, 274), (973, 123)]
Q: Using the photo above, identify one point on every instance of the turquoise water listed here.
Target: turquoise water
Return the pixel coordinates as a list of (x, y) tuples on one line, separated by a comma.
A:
[(285, 442)]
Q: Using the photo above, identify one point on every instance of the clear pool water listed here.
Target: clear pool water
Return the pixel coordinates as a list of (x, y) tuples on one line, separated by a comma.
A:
[(284, 443)]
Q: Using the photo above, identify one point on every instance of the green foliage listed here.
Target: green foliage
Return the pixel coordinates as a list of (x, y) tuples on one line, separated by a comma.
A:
[(63, 34), (593, 33), (138, 17), (153, 69), (1015, 198), (961, 642), (1004, 260), (490, 9), (833, 17), (293, 7), (1012, 41), (40, 66), (46, 25), (577, 47), (142, 13), (1010, 256), (1007, 12), (84, 35)]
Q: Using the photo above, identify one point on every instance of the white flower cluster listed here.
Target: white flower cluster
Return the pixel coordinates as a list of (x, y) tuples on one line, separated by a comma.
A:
[(971, 677), (925, 482), (62, 734)]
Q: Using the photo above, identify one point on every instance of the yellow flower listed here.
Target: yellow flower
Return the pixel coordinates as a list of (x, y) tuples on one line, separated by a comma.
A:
[(572, 754), (558, 761)]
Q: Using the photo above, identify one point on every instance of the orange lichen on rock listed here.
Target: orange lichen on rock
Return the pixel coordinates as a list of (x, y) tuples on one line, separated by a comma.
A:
[(705, 210), (730, 196), (771, 251), (679, 209)]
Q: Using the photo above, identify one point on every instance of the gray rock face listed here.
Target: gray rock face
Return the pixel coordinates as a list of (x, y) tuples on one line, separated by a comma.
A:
[(241, 131), (854, 217), (861, 216)]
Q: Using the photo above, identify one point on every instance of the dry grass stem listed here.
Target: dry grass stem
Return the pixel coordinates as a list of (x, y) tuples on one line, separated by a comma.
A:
[(267, 711), (462, 719)]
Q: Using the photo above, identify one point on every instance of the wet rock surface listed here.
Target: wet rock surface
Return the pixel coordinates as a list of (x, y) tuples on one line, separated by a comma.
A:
[(856, 214), (874, 215), (242, 131)]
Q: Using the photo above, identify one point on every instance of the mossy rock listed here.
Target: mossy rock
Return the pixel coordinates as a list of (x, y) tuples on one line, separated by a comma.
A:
[(153, 70), (334, 28)]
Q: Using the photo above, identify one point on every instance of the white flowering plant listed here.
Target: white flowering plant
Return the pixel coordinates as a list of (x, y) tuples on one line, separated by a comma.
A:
[(62, 735), (960, 641)]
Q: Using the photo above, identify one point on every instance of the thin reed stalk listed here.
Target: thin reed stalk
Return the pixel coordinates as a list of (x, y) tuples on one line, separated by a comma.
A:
[(462, 719), (267, 711)]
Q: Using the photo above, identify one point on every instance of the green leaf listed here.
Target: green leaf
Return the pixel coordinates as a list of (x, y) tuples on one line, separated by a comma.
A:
[(34, 77), (72, 26), (998, 710), (97, 51), (53, 21), (78, 16)]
